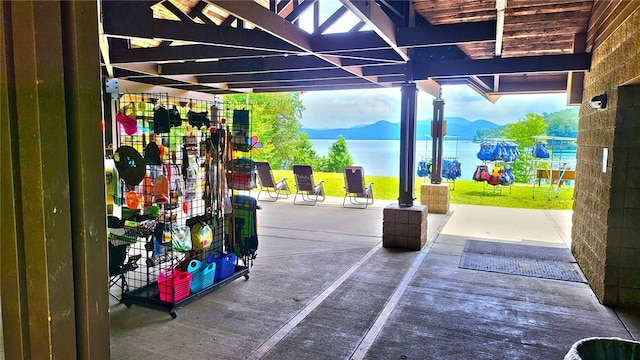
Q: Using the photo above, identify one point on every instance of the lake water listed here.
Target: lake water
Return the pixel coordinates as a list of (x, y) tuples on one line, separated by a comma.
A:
[(382, 157)]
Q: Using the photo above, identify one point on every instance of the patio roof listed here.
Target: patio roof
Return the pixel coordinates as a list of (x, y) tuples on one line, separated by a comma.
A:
[(224, 46)]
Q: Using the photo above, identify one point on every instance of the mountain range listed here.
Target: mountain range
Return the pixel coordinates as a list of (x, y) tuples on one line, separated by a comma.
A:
[(385, 130)]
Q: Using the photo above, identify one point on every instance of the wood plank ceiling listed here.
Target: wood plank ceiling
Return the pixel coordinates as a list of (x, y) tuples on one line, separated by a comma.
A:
[(224, 46)]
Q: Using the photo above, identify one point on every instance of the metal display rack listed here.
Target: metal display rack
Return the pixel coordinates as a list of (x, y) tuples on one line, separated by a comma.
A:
[(555, 171), (446, 161), (504, 160), (195, 158)]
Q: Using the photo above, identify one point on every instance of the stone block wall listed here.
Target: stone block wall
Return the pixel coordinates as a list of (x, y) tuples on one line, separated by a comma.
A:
[(606, 217), (436, 197), (404, 227)]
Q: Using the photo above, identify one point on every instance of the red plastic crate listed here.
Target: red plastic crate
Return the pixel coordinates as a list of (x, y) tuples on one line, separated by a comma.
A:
[(174, 285)]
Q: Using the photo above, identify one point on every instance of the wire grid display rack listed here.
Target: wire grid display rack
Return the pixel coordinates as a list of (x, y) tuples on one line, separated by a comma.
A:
[(186, 152)]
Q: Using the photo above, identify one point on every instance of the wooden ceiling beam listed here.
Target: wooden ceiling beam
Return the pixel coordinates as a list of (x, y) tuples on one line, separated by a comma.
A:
[(462, 7), (324, 88), (500, 66), (276, 76), (330, 20), (137, 87), (441, 35), (301, 8), (228, 21), (547, 18), (575, 80), (196, 13), (333, 43), (280, 28), (128, 18), (531, 86), (356, 27), (149, 28), (240, 66), (175, 11), (483, 82), (549, 30), (372, 15), (419, 36), (302, 82), (543, 3), (544, 8), (185, 53)]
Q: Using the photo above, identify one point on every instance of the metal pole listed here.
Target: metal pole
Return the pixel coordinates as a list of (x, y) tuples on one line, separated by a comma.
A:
[(437, 132), (408, 109)]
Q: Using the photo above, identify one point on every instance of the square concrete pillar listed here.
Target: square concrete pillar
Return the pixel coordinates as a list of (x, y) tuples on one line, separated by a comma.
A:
[(436, 197), (404, 227)]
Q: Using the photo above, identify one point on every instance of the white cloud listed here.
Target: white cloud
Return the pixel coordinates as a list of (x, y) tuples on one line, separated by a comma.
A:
[(347, 108)]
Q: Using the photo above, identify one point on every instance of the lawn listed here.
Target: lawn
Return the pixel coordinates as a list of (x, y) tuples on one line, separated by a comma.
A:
[(465, 192)]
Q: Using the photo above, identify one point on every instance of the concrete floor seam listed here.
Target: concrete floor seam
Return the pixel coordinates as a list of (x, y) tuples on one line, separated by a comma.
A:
[(270, 343), (377, 326)]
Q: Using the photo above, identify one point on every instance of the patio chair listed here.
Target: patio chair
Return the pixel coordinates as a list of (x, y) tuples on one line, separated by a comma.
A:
[(359, 195), (309, 191), (119, 265), (267, 183)]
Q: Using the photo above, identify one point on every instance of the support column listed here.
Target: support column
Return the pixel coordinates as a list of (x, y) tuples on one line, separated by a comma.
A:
[(408, 109), (404, 224), (437, 133), (54, 252)]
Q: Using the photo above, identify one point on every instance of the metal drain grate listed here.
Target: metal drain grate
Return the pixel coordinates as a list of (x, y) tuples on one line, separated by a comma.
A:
[(517, 259)]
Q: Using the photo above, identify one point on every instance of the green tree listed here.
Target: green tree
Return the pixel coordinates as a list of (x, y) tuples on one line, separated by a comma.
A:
[(522, 133), (274, 120), (338, 156), (487, 133), (563, 123), (305, 154)]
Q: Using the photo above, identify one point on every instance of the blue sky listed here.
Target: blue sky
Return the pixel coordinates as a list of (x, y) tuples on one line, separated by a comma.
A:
[(347, 108)]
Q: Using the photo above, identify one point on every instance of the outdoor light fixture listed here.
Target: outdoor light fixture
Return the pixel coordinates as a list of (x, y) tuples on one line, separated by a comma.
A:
[(598, 102)]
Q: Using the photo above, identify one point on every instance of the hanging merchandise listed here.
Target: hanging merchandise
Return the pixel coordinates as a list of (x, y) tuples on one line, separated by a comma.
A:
[(161, 190), (424, 169), (130, 164), (132, 200), (129, 124), (508, 174), (499, 153), (181, 238), (112, 182), (152, 154), (244, 215), (201, 236), (198, 119), (175, 185), (243, 176), (481, 173), (241, 130), (497, 175), (451, 169), (174, 117), (540, 150), (486, 151), (161, 122), (179, 208)]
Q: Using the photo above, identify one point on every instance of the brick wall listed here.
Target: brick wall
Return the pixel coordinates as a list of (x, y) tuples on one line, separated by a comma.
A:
[(606, 220)]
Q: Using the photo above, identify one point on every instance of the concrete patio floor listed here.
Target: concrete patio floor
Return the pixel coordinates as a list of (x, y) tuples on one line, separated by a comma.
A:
[(322, 287)]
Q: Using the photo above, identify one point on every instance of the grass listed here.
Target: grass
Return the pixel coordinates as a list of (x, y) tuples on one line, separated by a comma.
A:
[(466, 191)]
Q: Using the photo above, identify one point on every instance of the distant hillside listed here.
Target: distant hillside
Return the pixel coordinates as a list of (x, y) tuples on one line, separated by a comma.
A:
[(384, 130)]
